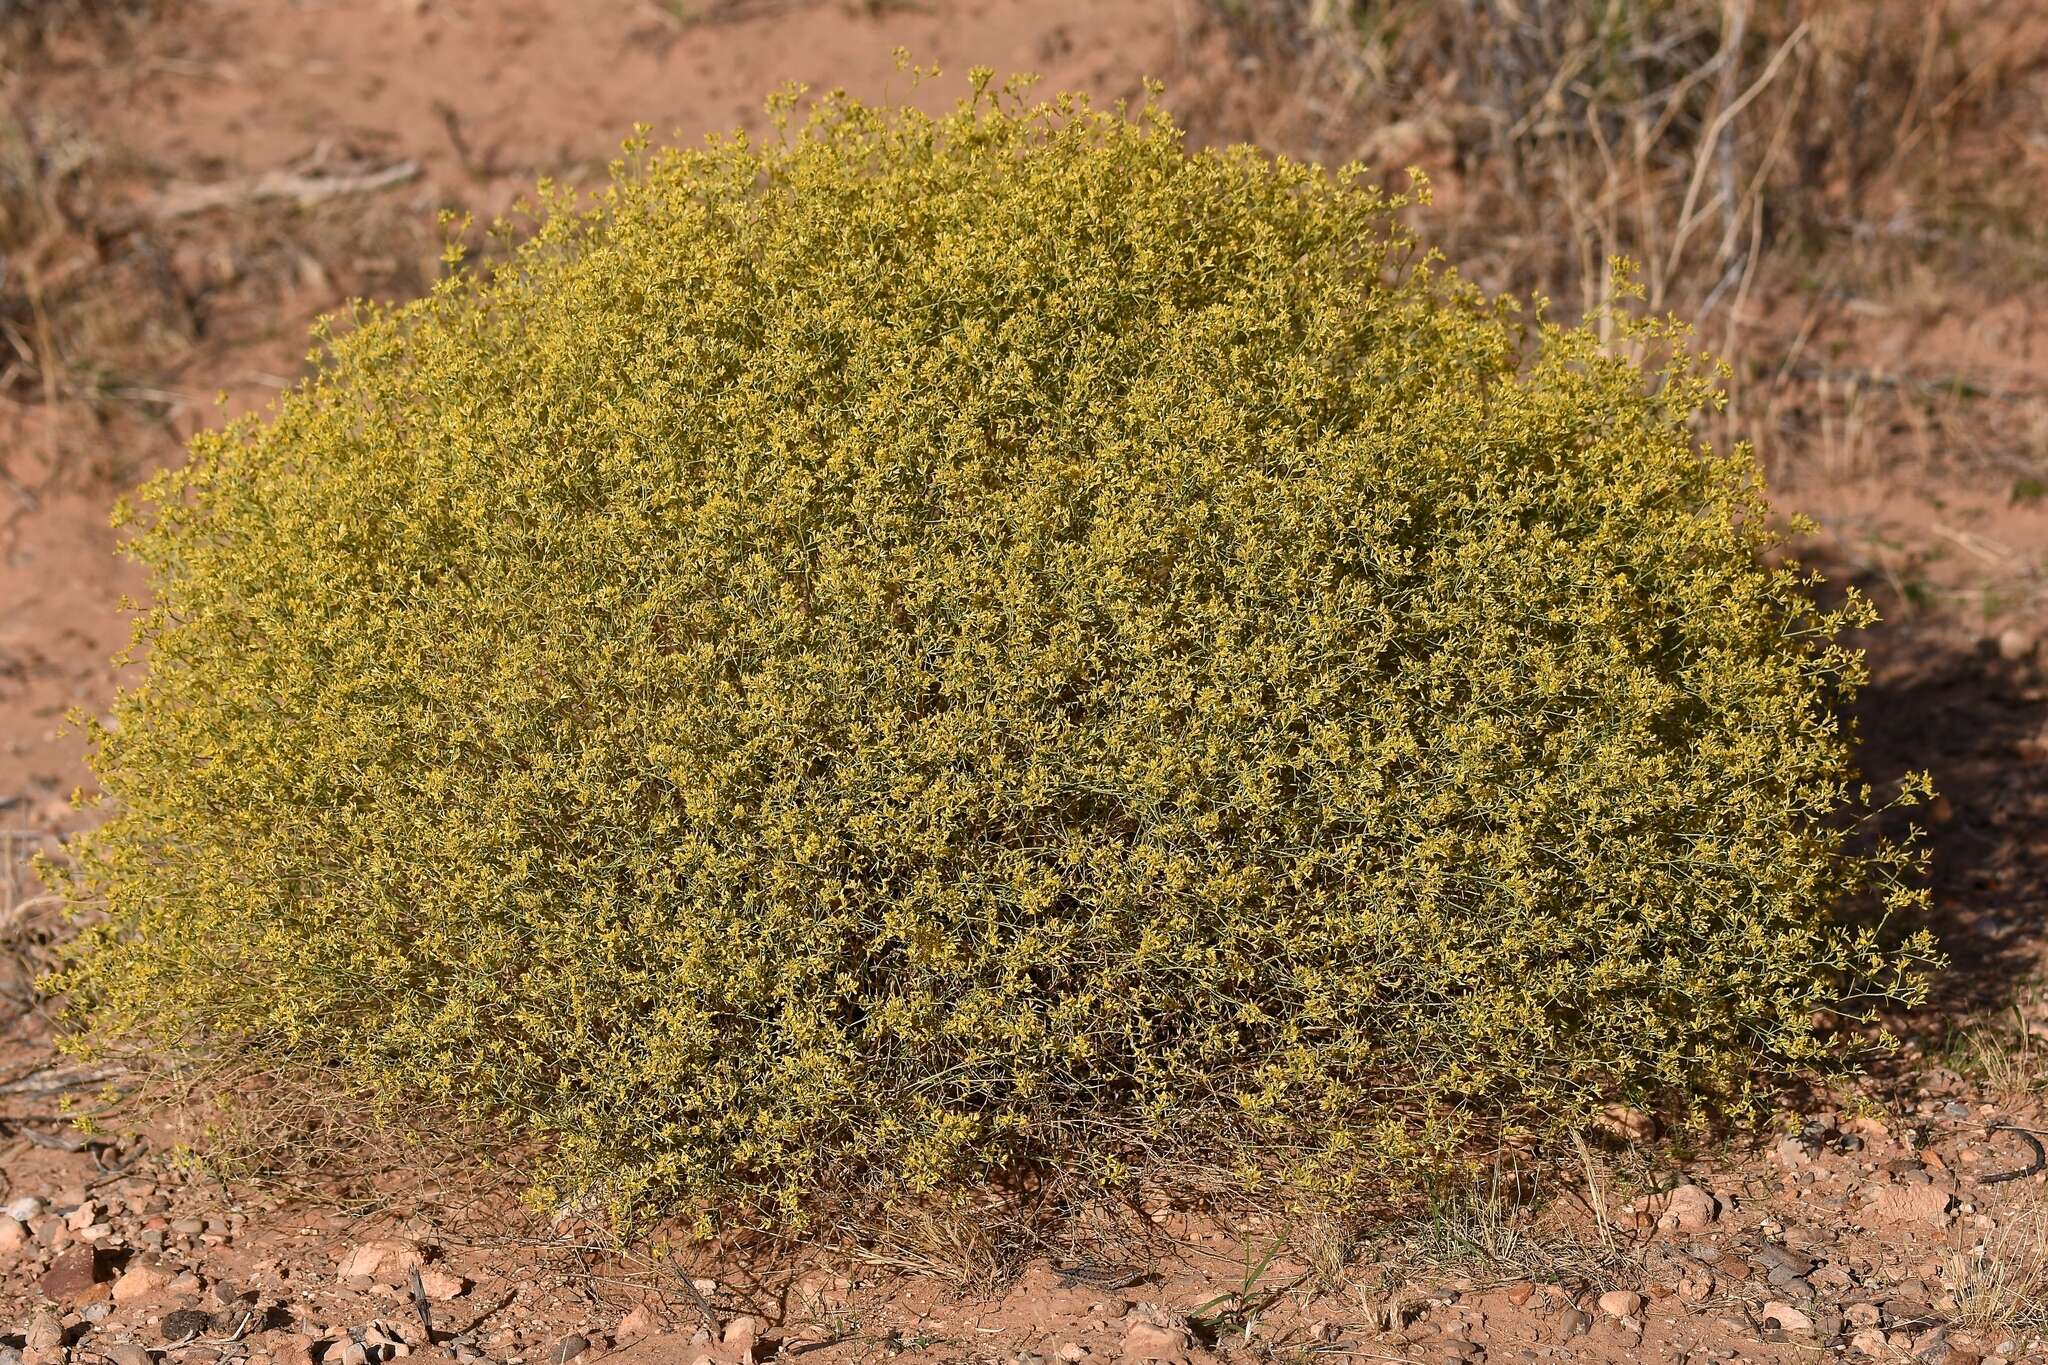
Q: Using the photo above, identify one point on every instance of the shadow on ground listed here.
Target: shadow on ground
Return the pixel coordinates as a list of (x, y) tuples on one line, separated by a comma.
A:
[(1954, 706)]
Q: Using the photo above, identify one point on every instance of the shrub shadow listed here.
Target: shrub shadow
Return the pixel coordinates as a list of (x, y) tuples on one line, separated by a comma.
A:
[(1951, 705)]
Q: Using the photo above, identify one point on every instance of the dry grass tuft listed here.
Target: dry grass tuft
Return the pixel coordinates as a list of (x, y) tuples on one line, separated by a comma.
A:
[(2000, 1284), (1746, 156), (1516, 1225)]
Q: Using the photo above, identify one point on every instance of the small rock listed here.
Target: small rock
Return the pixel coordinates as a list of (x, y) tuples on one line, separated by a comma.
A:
[(1933, 1347), (1688, 1209), (644, 1320), (1573, 1322), (743, 1335), (2015, 645), (1621, 1303), (565, 1350), (1863, 1315), (1786, 1318), (45, 1331), (126, 1353), (1869, 1341), (1072, 1352), (25, 1209), (1791, 1151), (292, 1348), (442, 1285), (1155, 1341), (1621, 1123), (1914, 1204), (77, 1274), (141, 1280), (392, 1260), (13, 1236)]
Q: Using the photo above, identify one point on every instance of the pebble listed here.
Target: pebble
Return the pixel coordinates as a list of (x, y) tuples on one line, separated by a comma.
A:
[(743, 1336), (141, 1280), (1155, 1341), (1621, 1123), (568, 1348), (13, 1236), (642, 1321), (1621, 1303), (45, 1331), (1786, 1318), (76, 1275), (1688, 1209), (1914, 1204), (442, 1285), (26, 1209), (125, 1353)]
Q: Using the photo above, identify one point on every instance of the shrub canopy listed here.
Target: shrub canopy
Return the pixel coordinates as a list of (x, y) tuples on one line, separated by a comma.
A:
[(934, 644)]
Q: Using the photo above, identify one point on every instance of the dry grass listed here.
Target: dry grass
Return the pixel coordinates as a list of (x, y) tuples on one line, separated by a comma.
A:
[(1744, 156), (1692, 136), (1516, 1225), (87, 302), (32, 28), (2000, 1283), (2000, 1052), (30, 924)]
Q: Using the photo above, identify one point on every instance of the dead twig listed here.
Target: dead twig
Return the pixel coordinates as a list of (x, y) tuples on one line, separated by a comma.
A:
[(45, 1081), (182, 201)]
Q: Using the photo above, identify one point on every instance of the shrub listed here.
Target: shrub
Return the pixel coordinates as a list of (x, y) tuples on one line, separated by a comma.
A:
[(936, 646)]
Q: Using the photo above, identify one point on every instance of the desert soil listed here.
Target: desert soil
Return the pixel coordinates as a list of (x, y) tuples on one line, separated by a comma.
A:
[(255, 164)]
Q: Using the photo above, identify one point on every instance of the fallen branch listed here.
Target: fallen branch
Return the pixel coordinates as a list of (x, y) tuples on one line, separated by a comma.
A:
[(182, 201), (64, 1078)]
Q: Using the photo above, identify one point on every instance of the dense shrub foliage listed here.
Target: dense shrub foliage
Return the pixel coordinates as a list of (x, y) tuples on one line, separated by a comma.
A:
[(934, 644)]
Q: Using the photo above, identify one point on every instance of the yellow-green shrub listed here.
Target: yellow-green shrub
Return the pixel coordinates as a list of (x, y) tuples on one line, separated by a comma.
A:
[(937, 644)]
